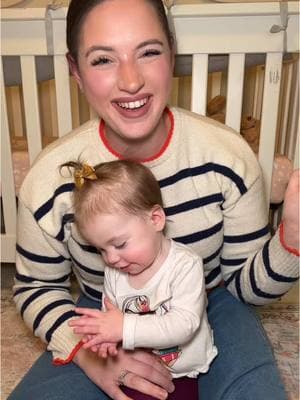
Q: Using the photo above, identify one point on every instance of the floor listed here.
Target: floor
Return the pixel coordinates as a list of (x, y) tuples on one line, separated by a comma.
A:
[(281, 322)]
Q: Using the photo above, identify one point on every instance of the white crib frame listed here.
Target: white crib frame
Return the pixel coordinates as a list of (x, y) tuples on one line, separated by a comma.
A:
[(201, 30)]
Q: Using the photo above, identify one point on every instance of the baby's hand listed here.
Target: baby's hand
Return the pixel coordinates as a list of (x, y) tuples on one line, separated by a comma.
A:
[(107, 349), (103, 326)]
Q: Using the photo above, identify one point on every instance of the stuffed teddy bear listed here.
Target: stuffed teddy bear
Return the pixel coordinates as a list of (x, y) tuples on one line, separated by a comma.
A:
[(282, 166), (250, 130)]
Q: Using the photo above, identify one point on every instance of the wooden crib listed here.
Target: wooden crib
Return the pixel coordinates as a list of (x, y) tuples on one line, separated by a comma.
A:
[(247, 52)]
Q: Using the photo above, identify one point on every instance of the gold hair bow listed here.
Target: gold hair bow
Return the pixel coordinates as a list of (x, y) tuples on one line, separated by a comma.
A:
[(82, 173)]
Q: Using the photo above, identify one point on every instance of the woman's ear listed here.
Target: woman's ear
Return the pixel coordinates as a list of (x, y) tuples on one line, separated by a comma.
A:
[(158, 218), (73, 67)]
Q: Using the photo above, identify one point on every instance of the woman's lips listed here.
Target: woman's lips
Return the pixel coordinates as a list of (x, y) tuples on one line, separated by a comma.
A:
[(133, 109)]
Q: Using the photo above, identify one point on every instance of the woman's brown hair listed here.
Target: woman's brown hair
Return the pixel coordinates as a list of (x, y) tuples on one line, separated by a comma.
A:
[(79, 9)]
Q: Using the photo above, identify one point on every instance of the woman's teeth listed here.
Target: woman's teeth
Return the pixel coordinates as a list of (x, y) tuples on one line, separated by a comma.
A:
[(133, 104)]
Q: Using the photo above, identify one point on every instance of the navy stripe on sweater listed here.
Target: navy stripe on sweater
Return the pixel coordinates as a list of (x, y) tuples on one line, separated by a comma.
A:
[(212, 256), (258, 292), (274, 275), (236, 277), (67, 315), (233, 262), (86, 269), (193, 204), (86, 247), (212, 275), (247, 237), (46, 207), (196, 236), (47, 309), (27, 279), (34, 288), (38, 258), (96, 294), (65, 219), (203, 169), (33, 296)]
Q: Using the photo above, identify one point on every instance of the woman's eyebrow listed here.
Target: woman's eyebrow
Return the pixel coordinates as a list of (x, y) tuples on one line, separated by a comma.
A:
[(149, 42), (96, 48), (109, 49)]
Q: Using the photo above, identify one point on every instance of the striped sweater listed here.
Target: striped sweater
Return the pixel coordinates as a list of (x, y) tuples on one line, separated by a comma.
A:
[(214, 200)]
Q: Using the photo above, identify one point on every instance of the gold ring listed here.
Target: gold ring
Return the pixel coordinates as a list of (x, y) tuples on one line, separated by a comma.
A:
[(122, 376)]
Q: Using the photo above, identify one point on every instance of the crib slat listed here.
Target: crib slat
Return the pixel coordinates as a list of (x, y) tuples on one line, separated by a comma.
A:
[(292, 150), (8, 240), (31, 106), (269, 108), (235, 90), (284, 105), (258, 93), (199, 83), (63, 97)]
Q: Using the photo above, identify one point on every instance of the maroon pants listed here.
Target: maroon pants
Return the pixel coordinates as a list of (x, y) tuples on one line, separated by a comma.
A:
[(185, 389)]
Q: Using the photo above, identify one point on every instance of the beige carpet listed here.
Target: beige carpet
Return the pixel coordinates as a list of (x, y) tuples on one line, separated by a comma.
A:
[(19, 349)]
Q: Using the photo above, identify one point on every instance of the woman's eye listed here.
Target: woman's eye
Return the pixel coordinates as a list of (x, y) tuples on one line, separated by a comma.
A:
[(100, 61), (151, 53)]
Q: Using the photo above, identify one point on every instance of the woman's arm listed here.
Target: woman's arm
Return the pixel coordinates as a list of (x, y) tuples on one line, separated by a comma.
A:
[(290, 217), (42, 286), (257, 268)]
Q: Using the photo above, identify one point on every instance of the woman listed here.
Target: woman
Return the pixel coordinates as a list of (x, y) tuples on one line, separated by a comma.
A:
[(121, 55)]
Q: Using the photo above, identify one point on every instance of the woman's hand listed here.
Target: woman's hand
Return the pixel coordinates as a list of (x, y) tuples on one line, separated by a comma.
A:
[(290, 216), (146, 373)]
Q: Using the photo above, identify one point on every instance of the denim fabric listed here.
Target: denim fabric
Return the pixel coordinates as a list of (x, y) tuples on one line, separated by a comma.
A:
[(244, 369)]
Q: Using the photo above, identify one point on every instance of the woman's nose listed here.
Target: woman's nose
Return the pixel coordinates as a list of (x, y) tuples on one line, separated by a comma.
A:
[(131, 79)]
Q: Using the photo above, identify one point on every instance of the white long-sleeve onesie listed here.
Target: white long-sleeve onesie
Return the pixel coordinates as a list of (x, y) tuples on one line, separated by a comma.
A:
[(169, 313)]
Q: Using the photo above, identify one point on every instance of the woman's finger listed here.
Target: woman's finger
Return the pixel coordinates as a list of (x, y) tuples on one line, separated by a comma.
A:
[(153, 374), (144, 386), (152, 360), (119, 394)]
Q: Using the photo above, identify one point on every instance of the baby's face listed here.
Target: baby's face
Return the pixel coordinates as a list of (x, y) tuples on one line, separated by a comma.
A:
[(127, 242)]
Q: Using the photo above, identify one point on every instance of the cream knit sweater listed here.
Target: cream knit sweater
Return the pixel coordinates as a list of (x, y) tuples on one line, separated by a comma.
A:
[(214, 200)]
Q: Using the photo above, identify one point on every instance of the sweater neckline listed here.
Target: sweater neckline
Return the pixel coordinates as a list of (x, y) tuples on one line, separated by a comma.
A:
[(160, 152)]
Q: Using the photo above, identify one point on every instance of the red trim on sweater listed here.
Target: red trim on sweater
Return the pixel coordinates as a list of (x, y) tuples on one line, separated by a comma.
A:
[(296, 252), (157, 155), (60, 361)]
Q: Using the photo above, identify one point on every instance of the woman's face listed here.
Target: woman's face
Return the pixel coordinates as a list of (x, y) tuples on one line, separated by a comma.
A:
[(125, 69)]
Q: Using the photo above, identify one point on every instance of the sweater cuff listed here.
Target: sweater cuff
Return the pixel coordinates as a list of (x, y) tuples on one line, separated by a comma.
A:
[(64, 344), (284, 262), (284, 245), (129, 324), (60, 361)]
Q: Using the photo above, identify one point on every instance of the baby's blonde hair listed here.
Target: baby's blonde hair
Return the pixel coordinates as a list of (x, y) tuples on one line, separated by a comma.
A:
[(118, 186)]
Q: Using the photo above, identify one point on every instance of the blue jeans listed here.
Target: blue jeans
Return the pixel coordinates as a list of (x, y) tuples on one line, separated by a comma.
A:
[(244, 369)]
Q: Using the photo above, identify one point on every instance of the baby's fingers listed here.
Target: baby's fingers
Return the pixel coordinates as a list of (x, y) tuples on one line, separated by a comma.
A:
[(112, 350), (83, 321), (90, 312), (85, 330)]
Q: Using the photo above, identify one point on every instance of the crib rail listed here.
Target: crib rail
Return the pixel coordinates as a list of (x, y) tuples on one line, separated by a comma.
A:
[(203, 33)]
